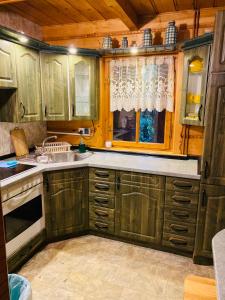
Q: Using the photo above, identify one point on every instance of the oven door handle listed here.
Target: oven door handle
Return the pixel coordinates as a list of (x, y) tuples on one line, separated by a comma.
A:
[(18, 200)]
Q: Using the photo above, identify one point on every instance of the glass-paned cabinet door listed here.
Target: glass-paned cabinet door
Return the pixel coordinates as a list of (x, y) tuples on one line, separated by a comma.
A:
[(195, 76), (84, 86)]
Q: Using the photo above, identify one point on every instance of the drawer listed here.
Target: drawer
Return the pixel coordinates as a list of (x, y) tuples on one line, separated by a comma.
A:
[(101, 214), (106, 227), (179, 228), (182, 185), (68, 175), (181, 215), (102, 200), (102, 174), (101, 187), (178, 242), (182, 200), (155, 181)]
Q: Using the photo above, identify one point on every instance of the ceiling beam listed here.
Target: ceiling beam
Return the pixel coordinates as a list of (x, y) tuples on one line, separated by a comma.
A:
[(2, 2), (125, 12)]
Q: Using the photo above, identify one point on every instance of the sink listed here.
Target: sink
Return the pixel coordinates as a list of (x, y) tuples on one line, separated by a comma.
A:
[(67, 156)]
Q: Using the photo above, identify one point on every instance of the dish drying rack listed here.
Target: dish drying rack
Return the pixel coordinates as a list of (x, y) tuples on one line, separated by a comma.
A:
[(54, 147)]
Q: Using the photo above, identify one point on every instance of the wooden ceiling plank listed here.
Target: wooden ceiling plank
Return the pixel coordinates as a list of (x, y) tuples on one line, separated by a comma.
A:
[(164, 5), (4, 2), (143, 7), (219, 3), (125, 12), (103, 9), (184, 4)]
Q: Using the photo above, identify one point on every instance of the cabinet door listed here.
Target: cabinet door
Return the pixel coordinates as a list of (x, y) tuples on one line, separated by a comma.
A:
[(139, 213), (8, 65), (213, 167), (210, 219), (29, 86), (54, 76), (66, 208), (218, 50), (84, 87)]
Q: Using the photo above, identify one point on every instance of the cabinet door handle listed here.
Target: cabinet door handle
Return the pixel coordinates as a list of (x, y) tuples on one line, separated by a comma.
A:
[(206, 169), (101, 200), (73, 110), (182, 184), (103, 174), (118, 183), (46, 112), (23, 110), (180, 214), (101, 226), (101, 213), (204, 199), (181, 199), (200, 112), (178, 228), (102, 186), (178, 241)]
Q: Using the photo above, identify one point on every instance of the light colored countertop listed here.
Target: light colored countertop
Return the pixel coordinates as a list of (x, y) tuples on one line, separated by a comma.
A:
[(136, 163), (218, 246)]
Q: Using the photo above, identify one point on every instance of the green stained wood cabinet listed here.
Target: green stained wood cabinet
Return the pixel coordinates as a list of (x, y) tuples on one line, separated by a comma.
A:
[(84, 87), (210, 220), (29, 85), (8, 65), (66, 202), (54, 78), (139, 213)]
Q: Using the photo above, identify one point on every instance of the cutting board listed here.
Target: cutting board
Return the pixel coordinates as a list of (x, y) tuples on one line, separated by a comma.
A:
[(19, 142)]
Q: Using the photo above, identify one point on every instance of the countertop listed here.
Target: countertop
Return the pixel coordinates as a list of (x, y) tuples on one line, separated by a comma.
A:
[(185, 168), (218, 246)]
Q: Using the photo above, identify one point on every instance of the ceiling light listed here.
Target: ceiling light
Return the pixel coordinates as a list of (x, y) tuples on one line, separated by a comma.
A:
[(23, 39), (72, 50), (133, 50)]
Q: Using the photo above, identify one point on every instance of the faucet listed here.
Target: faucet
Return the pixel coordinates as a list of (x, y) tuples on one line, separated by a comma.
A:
[(47, 139)]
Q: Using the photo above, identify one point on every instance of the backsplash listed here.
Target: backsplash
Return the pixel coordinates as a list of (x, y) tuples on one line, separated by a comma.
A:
[(35, 132)]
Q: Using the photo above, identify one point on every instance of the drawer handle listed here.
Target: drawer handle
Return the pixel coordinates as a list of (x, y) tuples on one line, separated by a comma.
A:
[(101, 200), (178, 241), (103, 174), (180, 214), (180, 199), (178, 228), (102, 187), (101, 213), (183, 185), (101, 226)]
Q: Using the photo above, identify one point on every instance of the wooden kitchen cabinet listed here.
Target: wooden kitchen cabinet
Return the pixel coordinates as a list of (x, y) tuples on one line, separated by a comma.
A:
[(66, 202), (210, 220), (54, 78), (29, 85), (138, 210), (8, 65), (84, 87)]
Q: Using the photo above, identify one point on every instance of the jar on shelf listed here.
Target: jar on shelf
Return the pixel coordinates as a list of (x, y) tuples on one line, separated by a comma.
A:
[(124, 42), (147, 37), (107, 42), (171, 34)]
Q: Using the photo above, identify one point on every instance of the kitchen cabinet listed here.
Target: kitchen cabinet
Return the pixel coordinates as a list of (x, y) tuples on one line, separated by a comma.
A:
[(211, 219), (139, 207), (66, 202), (29, 86), (84, 87), (8, 65), (54, 78), (195, 75)]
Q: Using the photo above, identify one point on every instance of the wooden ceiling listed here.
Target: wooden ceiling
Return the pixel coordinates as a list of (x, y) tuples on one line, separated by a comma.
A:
[(131, 12)]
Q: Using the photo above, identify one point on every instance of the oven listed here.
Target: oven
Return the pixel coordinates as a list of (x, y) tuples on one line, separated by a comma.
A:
[(23, 212)]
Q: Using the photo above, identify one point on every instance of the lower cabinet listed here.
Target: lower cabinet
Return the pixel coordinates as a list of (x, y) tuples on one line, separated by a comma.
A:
[(138, 210), (210, 220), (66, 202)]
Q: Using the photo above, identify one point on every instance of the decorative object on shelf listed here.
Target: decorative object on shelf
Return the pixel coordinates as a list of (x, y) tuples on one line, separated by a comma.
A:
[(147, 37), (124, 42), (107, 42), (171, 33)]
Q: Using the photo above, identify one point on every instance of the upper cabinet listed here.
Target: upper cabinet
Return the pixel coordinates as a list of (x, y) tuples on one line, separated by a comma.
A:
[(54, 77), (29, 89), (7, 65), (195, 76), (84, 87)]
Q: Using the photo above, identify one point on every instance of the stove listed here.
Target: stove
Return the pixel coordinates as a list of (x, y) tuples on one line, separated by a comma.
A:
[(8, 172)]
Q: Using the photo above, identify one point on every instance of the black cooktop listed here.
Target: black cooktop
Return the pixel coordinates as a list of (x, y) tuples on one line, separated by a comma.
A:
[(8, 172)]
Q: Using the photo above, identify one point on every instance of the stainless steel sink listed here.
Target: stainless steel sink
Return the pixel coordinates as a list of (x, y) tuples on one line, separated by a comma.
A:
[(67, 156)]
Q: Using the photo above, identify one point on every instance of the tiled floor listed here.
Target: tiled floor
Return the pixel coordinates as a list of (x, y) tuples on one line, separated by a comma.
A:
[(90, 267)]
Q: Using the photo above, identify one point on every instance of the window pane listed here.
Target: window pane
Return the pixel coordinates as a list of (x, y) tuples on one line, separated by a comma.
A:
[(152, 125), (124, 125)]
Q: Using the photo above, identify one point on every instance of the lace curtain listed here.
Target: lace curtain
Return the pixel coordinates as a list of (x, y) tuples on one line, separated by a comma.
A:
[(142, 83)]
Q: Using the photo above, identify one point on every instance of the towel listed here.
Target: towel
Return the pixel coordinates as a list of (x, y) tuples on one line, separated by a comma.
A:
[(8, 164)]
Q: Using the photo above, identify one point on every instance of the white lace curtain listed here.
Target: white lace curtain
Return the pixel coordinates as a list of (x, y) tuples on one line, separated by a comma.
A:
[(142, 83)]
